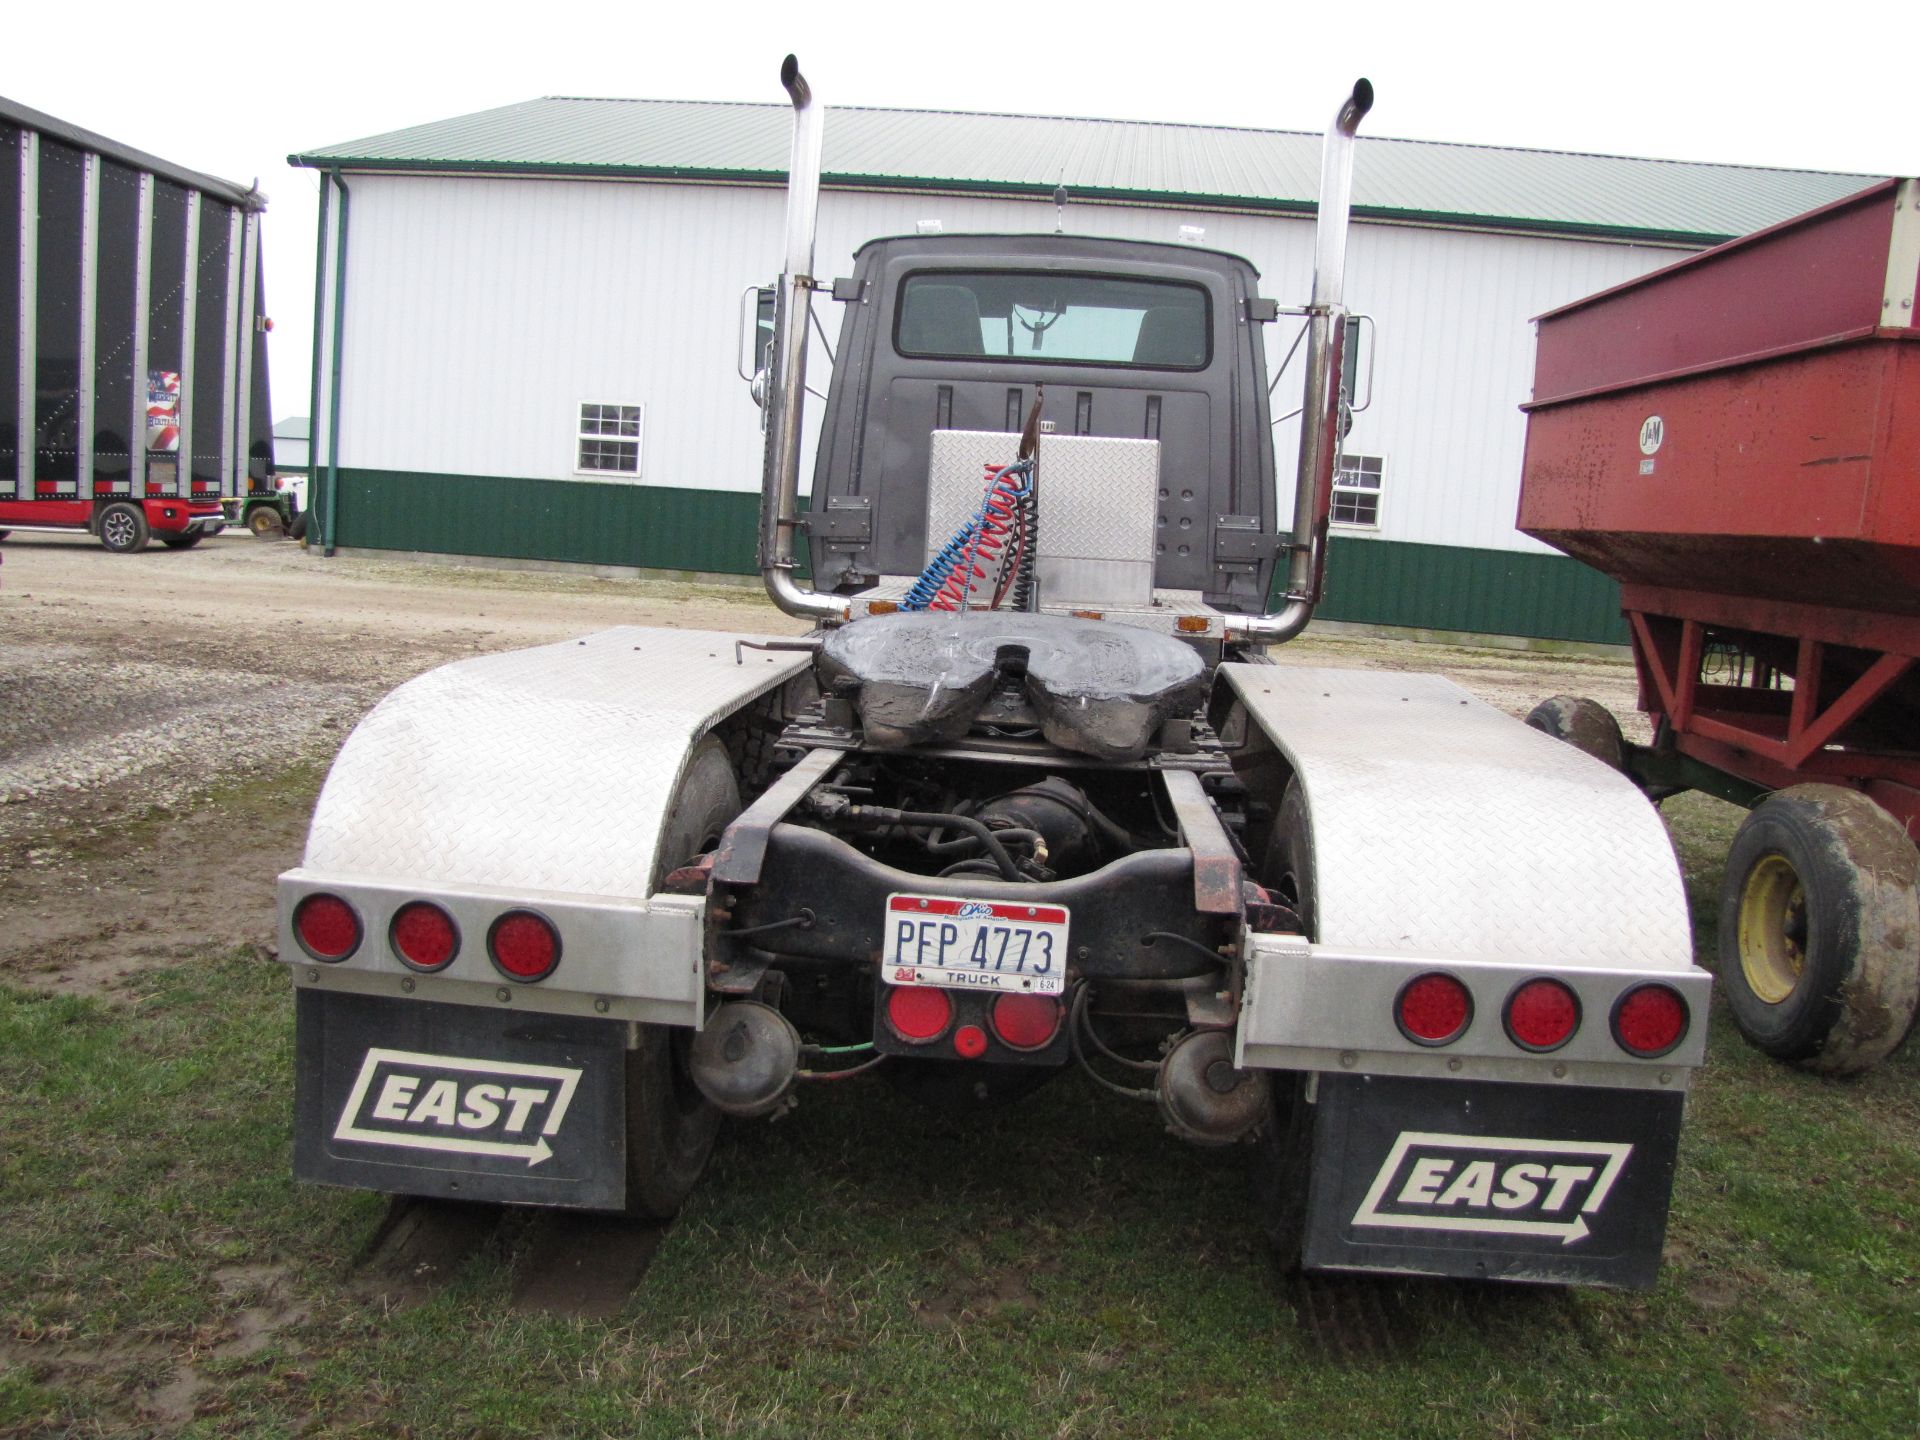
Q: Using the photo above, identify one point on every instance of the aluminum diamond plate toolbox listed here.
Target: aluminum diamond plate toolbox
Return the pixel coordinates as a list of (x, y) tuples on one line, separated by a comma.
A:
[(1445, 828), (1100, 497), (548, 769)]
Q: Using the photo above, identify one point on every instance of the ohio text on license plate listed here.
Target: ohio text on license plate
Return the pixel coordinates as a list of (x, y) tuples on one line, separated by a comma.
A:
[(976, 944)]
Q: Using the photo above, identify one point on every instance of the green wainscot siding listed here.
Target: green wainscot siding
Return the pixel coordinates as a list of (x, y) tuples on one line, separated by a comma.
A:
[(1479, 592), (1375, 582), (581, 521)]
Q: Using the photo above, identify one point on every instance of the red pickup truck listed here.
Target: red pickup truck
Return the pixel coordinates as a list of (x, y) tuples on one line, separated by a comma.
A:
[(123, 526)]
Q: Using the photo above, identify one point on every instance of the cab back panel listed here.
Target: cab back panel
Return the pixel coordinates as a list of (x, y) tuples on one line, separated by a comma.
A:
[(1215, 450)]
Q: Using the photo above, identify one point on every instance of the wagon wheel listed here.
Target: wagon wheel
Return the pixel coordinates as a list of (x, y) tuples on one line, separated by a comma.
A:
[(1585, 724), (670, 1125), (1819, 950), (1282, 1167)]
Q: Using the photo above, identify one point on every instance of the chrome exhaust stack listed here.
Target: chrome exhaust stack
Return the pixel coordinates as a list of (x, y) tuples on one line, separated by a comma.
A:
[(1320, 406), (786, 396)]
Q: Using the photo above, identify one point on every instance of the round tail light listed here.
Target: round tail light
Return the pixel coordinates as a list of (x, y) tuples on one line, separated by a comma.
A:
[(1650, 1020), (1433, 1010), (424, 936), (1542, 1015), (326, 927), (969, 1042), (1025, 1022), (524, 946), (918, 1013)]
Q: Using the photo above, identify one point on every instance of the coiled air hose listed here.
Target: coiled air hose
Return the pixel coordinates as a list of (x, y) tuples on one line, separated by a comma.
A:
[(1007, 514)]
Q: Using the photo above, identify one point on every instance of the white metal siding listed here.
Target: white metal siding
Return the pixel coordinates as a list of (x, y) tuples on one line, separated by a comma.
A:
[(482, 311)]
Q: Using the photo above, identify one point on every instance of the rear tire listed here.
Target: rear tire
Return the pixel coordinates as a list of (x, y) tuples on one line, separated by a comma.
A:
[(1585, 724), (123, 529), (1288, 869), (671, 1126), (1283, 1167), (1283, 1146), (1820, 929), (298, 530)]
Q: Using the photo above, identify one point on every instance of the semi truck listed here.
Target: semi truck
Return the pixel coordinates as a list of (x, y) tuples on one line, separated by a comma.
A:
[(1735, 439), (133, 359), (1032, 796)]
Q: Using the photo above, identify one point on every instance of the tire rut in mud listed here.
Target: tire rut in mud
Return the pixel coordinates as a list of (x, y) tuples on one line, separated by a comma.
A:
[(1351, 1320), (566, 1263), (1366, 1321)]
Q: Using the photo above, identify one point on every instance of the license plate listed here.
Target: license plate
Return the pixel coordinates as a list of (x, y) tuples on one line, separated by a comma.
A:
[(976, 944)]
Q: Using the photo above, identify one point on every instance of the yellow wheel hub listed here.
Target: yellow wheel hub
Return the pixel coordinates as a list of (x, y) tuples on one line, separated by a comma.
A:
[(1773, 929)]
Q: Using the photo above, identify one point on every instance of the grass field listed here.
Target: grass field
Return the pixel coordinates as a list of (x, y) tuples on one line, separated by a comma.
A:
[(869, 1268)]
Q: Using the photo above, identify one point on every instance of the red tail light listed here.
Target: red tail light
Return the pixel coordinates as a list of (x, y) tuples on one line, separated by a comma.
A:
[(424, 936), (1433, 1010), (326, 927), (918, 1013), (1542, 1015), (969, 1042), (1025, 1022), (524, 946), (1650, 1020)]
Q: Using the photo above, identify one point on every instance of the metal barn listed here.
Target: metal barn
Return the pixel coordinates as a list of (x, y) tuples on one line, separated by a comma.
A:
[(529, 321)]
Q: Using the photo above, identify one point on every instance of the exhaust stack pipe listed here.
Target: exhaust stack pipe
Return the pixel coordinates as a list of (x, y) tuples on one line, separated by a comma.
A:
[(786, 397), (1320, 407)]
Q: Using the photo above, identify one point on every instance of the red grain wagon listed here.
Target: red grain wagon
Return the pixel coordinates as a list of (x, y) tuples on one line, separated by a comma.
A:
[(1736, 440)]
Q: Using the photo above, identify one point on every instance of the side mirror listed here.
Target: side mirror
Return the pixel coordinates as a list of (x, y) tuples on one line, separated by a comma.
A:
[(757, 387)]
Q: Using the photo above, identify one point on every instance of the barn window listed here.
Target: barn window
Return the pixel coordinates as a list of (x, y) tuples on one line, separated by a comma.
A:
[(1356, 491), (609, 439)]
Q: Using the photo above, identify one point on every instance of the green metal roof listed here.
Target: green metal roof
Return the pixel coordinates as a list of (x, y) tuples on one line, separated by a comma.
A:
[(1217, 168)]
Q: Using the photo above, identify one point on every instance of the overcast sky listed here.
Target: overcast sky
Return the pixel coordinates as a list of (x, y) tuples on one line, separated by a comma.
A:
[(232, 89)]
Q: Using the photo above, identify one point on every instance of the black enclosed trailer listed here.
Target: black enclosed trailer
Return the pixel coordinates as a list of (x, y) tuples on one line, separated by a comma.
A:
[(133, 359)]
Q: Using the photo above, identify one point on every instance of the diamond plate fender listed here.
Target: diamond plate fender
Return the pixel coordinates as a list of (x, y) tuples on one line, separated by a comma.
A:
[(541, 777), (1446, 832)]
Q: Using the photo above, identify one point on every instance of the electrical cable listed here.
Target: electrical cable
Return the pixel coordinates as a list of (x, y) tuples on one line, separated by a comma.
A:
[(1107, 1050), (976, 866), (920, 818), (1075, 1016), (804, 920), (840, 1074), (1152, 935), (948, 581)]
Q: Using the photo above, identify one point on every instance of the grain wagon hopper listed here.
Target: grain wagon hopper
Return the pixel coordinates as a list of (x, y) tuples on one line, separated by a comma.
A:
[(1736, 440)]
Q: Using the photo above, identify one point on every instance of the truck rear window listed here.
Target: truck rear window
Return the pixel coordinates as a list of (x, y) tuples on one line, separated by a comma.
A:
[(1053, 319)]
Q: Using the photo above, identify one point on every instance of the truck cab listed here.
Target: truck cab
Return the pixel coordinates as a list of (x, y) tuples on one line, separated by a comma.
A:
[(1147, 367)]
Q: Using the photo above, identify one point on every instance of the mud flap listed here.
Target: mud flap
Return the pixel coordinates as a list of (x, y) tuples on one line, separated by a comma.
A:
[(453, 1101), (1491, 1181)]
